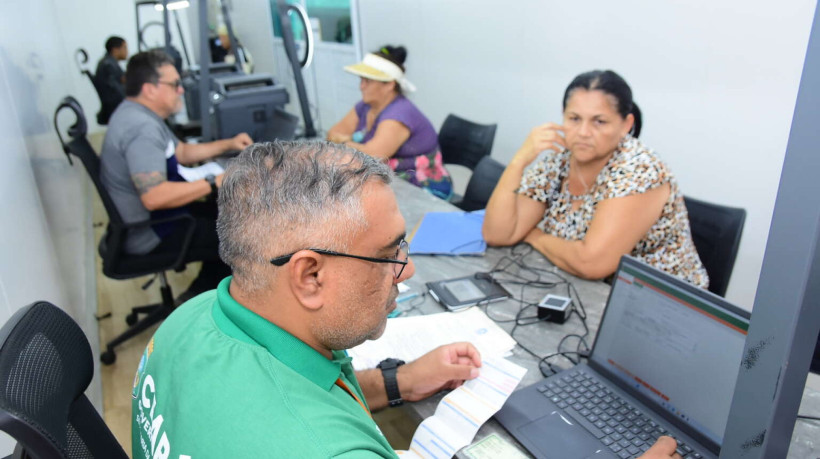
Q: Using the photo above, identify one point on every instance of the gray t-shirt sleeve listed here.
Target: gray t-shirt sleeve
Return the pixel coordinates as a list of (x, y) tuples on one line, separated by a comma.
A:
[(148, 151)]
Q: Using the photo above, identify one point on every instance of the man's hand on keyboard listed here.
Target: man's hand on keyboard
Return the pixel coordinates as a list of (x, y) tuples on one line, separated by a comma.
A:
[(664, 448)]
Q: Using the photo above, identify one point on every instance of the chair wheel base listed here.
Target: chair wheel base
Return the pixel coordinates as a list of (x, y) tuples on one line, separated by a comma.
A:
[(108, 357), (131, 318)]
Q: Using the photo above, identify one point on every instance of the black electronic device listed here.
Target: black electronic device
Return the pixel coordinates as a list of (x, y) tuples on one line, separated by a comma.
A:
[(655, 327), (463, 292), (190, 81), (249, 103), (555, 308)]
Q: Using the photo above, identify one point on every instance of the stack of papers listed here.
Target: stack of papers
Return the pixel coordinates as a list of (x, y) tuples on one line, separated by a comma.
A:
[(192, 174), (408, 338), (462, 412), (449, 233)]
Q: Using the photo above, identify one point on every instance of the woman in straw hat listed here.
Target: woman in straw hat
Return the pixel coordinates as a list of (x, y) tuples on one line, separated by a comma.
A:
[(386, 125)]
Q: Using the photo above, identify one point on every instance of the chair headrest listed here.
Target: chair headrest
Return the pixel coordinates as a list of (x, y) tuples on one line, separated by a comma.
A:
[(80, 127)]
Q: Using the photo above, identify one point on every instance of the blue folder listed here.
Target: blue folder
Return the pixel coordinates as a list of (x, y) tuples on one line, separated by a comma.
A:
[(449, 233)]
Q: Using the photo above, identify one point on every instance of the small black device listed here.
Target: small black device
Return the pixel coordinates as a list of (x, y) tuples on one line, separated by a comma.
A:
[(463, 292), (389, 367), (554, 308)]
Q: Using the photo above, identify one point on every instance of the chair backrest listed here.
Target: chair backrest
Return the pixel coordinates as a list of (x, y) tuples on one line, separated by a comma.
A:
[(107, 105), (482, 183), (117, 264), (464, 142), (81, 57), (82, 149), (45, 368), (716, 231)]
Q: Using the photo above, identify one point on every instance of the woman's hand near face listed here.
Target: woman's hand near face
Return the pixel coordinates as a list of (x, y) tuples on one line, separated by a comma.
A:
[(510, 216), (549, 136)]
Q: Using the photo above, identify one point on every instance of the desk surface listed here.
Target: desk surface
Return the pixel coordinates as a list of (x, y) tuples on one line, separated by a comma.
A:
[(541, 338)]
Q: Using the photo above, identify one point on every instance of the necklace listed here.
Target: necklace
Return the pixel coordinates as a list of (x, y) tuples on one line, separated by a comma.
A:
[(580, 176)]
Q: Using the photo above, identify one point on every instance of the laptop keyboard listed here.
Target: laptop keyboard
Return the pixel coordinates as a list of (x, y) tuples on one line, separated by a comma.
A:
[(614, 421)]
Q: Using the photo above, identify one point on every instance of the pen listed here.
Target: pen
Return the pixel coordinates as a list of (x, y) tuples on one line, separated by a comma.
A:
[(408, 296)]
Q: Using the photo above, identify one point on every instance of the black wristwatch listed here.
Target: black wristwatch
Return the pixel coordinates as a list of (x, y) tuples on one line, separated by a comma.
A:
[(211, 181), (389, 367)]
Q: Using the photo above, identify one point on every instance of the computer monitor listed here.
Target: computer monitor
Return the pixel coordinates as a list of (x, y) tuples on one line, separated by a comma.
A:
[(249, 103)]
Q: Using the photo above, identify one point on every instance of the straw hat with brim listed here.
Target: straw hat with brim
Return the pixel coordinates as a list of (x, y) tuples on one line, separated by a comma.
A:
[(375, 67)]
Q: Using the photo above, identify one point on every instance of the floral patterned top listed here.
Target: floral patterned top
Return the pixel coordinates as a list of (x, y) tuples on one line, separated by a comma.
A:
[(633, 169)]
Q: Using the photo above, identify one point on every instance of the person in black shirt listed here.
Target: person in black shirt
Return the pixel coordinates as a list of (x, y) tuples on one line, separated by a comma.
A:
[(109, 79)]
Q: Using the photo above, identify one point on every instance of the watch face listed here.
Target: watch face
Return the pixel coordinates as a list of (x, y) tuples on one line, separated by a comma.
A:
[(387, 364)]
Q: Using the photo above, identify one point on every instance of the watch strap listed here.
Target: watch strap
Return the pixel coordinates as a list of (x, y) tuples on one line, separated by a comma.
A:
[(211, 181), (389, 368)]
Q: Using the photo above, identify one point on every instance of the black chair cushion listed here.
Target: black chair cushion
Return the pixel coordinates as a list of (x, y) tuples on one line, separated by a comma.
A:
[(716, 231), (464, 142), (481, 185), (45, 368)]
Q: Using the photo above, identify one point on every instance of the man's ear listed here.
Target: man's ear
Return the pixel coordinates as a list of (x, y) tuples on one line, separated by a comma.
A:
[(306, 280), (148, 90)]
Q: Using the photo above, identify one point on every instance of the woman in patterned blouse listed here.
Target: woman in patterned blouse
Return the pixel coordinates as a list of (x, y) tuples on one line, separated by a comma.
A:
[(597, 193)]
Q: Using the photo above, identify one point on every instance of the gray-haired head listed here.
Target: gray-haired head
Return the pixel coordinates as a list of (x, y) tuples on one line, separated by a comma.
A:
[(281, 197)]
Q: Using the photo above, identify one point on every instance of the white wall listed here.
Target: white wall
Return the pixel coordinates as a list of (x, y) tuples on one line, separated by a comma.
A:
[(79, 30), (46, 251), (331, 92), (716, 81)]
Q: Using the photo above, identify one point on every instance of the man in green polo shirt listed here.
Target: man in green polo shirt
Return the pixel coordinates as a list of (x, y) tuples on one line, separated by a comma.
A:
[(257, 368)]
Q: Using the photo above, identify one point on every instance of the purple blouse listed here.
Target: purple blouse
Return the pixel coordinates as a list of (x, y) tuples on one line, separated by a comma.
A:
[(423, 137)]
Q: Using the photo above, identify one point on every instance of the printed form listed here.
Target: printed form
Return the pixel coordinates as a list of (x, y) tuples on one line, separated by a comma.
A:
[(408, 338), (461, 413), (192, 174)]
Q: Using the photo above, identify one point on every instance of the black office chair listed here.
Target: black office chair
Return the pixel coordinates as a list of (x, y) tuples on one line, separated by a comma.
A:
[(464, 142), (81, 57), (716, 231), (117, 264), (482, 183), (45, 368)]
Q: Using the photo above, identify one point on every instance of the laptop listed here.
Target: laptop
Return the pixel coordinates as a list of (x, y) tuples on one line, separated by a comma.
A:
[(282, 125), (664, 362)]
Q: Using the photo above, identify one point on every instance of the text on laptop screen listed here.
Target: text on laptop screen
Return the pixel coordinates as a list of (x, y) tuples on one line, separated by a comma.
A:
[(680, 349)]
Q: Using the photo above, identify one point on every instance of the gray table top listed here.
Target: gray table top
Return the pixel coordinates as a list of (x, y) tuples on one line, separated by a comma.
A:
[(542, 338)]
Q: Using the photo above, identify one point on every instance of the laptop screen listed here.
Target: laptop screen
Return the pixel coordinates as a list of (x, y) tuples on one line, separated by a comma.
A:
[(677, 345)]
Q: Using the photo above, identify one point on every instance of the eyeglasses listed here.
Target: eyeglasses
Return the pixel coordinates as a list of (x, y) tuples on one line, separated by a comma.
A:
[(400, 260), (176, 84)]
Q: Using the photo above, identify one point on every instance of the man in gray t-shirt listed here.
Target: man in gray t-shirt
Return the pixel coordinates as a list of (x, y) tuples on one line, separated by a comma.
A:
[(139, 165)]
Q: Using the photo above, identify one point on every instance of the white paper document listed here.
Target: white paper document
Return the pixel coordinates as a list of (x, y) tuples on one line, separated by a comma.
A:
[(461, 413), (408, 338), (192, 174)]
